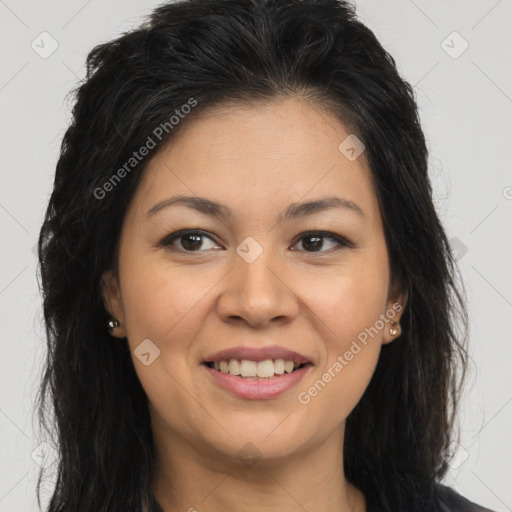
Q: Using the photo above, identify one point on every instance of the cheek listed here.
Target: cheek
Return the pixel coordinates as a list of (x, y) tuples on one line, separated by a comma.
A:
[(163, 304), (161, 300), (168, 305), (345, 371), (338, 386), (351, 300), (350, 306)]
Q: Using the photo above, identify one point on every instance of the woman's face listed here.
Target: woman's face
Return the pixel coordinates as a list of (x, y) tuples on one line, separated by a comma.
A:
[(254, 280)]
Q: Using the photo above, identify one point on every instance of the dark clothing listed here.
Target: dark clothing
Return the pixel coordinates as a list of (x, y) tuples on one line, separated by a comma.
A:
[(454, 502), (448, 501)]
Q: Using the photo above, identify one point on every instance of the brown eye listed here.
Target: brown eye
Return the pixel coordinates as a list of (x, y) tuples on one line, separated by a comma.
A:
[(188, 241), (313, 241)]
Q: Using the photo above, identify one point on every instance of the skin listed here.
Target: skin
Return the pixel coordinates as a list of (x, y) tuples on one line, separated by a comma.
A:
[(256, 160)]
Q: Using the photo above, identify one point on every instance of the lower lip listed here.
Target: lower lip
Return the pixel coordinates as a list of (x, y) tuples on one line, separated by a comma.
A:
[(255, 389)]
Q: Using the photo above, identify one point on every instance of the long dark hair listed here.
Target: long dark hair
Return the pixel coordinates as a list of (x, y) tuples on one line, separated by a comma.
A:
[(220, 52)]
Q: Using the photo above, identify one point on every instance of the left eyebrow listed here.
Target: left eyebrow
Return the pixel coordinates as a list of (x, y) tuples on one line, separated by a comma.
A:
[(318, 205), (294, 210)]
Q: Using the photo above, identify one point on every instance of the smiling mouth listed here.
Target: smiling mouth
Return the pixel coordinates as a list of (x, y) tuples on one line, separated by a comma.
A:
[(256, 370)]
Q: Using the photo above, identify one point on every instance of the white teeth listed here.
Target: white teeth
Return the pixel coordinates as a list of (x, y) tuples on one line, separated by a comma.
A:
[(248, 368), (265, 368), (234, 367), (279, 366), (261, 369)]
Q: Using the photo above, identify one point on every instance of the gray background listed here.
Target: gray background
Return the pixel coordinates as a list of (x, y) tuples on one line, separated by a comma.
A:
[(465, 99)]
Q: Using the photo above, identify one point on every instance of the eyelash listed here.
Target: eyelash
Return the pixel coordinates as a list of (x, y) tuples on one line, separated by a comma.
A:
[(167, 241)]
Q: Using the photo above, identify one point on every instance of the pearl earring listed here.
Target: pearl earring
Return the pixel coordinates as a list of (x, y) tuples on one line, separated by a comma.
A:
[(112, 324), (395, 329)]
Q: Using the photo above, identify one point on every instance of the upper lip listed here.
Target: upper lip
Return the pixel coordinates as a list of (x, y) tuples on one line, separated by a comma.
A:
[(258, 354)]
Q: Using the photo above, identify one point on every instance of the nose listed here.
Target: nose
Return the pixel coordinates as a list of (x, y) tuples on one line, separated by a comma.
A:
[(258, 293)]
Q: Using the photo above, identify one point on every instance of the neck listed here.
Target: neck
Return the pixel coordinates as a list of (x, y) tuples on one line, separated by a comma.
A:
[(193, 480)]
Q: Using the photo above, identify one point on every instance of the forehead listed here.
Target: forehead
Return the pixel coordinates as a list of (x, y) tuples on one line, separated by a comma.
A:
[(258, 156)]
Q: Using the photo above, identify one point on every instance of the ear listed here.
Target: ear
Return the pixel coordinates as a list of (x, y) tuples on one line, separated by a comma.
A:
[(111, 293), (394, 311)]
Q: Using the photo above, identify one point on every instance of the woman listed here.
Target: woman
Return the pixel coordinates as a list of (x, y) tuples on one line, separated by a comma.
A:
[(250, 299)]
